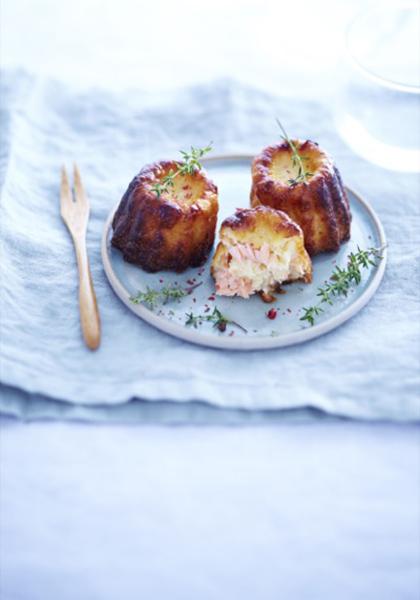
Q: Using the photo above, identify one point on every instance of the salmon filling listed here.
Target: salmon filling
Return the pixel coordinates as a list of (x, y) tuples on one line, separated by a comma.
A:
[(245, 269)]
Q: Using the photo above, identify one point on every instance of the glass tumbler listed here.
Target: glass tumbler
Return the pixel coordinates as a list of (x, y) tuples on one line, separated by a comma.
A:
[(378, 108)]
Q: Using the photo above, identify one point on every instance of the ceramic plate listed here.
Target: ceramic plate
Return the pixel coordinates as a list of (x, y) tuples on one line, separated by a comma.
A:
[(232, 175)]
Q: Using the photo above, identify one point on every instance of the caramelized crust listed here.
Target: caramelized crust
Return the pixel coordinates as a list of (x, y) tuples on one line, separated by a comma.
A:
[(260, 224), (259, 249), (171, 232), (319, 205)]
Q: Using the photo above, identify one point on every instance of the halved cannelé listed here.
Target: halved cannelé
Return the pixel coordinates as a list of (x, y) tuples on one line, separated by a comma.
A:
[(259, 249)]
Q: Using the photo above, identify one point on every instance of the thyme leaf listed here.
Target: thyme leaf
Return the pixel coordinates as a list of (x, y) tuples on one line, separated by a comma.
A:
[(153, 297), (342, 280), (297, 160), (219, 320), (189, 164)]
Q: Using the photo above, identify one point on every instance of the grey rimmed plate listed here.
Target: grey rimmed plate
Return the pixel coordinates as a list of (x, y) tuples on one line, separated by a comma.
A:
[(232, 175)]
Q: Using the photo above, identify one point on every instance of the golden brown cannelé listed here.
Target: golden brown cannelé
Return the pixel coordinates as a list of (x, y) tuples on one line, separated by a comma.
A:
[(319, 204), (171, 231)]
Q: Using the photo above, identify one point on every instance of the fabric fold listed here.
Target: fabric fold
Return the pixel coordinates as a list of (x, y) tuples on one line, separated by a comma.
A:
[(367, 369)]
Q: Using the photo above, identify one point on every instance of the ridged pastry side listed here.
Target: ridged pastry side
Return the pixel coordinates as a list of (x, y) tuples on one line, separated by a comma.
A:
[(320, 206), (171, 232)]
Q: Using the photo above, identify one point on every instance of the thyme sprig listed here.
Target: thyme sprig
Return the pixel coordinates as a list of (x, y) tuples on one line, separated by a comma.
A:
[(342, 280), (188, 166), (219, 320), (166, 294), (297, 160)]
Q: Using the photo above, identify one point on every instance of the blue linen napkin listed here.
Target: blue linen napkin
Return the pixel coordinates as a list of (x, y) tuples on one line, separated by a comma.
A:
[(368, 368)]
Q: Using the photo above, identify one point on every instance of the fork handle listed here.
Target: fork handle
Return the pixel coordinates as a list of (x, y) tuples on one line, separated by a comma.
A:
[(89, 314)]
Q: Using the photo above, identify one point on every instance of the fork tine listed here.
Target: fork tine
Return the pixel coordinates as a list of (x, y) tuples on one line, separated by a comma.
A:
[(65, 191), (78, 188)]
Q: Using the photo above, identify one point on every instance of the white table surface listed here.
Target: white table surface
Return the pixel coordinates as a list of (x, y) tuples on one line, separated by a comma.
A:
[(298, 511), (293, 511)]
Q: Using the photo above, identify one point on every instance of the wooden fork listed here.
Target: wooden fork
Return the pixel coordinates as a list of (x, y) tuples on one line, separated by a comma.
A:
[(75, 214)]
